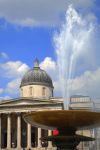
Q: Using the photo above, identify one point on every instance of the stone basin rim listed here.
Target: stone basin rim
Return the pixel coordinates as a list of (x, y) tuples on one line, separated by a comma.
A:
[(69, 119)]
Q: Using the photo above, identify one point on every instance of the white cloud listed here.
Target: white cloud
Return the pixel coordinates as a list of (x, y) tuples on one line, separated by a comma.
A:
[(48, 62), (13, 69), (13, 72), (1, 90), (49, 66), (86, 84), (5, 98), (3, 55), (27, 22), (13, 87), (38, 12)]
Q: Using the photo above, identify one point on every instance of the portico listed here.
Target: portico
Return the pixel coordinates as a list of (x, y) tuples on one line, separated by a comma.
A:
[(18, 135), (15, 132)]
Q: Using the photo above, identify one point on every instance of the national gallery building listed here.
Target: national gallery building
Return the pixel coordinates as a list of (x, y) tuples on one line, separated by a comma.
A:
[(36, 94)]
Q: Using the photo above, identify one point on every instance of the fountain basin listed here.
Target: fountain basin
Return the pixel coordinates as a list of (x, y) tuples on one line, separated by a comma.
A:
[(66, 119), (67, 122)]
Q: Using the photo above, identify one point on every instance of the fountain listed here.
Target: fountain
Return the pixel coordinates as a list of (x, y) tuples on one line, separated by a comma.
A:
[(67, 122), (69, 43)]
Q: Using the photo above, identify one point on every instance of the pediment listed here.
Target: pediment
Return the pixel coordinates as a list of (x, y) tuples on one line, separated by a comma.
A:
[(23, 102)]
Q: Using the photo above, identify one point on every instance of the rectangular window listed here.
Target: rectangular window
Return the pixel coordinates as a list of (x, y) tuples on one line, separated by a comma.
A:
[(30, 91), (43, 91)]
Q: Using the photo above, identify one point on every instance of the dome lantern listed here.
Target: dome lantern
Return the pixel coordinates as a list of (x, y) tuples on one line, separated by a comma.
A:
[(36, 64)]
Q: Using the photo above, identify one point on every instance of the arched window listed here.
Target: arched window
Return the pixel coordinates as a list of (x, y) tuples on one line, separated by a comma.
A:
[(30, 91), (43, 91)]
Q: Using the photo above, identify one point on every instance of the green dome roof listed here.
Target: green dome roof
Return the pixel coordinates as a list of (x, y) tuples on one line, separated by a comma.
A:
[(36, 76)]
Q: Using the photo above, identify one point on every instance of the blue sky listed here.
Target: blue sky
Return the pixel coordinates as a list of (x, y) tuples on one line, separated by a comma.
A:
[(27, 29), (29, 42)]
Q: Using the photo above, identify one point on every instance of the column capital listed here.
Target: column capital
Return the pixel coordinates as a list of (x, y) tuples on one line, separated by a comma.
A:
[(18, 113), (9, 113)]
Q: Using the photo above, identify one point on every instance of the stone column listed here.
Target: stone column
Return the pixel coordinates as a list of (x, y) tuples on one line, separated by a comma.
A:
[(19, 131), (28, 135), (8, 131), (49, 143), (39, 136), (0, 131)]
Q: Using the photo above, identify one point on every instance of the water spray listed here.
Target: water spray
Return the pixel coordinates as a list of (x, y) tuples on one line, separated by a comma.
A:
[(69, 42)]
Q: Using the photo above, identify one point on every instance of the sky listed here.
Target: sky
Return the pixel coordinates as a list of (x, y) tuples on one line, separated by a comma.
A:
[(27, 29)]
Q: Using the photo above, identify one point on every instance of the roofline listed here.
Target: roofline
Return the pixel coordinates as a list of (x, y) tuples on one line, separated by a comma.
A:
[(37, 83)]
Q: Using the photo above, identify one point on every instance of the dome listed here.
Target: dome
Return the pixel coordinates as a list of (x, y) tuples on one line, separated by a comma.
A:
[(36, 76)]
